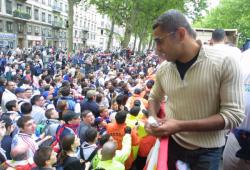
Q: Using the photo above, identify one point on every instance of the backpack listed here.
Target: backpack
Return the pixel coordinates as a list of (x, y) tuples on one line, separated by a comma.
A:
[(92, 155), (56, 139), (46, 130)]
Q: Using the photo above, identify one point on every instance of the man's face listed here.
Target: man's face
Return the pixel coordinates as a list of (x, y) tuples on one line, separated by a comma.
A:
[(29, 127), (89, 119), (166, 44), (40, 102), (54, 114), (28, 94), (21, 95), (11, 86)]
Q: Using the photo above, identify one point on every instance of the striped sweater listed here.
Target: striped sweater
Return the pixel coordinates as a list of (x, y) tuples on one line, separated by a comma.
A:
[(212, 85)]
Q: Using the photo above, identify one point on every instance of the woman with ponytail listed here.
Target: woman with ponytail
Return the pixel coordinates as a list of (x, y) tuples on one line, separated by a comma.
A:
[(68, 158)]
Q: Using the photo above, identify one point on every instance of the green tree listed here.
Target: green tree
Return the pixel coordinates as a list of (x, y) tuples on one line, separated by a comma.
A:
[(233, 14), (137, 16)]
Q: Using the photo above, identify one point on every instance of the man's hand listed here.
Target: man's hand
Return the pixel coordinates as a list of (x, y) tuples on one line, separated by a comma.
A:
[(165, 128)]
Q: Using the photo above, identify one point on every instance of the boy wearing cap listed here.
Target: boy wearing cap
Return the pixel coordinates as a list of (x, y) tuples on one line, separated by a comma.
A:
[(72, 121)]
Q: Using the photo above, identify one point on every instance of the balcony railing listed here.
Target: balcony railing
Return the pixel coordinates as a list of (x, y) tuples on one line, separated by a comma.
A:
[(57, 24), (56, 8), (21, 14)]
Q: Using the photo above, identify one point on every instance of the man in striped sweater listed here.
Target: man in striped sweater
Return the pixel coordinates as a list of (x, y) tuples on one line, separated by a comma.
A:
[(203, 88)]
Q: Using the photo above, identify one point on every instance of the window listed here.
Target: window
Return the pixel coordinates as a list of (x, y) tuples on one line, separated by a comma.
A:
[(49, 18), (44, 31), (20, 27), (75, 33), (8, 7), (61, 6), (49, 2), (36, 13), (49, 33), (1, 25), (29, 29), (37, 30), (102, 24), (43, 16), (101, 31), (28, 10), (43, 2), (66, 8), (9, 26), (19, 7)]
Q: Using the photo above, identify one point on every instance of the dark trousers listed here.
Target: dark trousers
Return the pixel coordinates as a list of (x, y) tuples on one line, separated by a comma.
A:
[(199, 159)]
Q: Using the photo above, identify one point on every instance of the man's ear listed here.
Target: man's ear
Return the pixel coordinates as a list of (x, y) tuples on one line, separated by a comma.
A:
[(181, 33)]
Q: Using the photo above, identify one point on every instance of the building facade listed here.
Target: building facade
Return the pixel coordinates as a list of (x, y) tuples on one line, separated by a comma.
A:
[(26, 23)]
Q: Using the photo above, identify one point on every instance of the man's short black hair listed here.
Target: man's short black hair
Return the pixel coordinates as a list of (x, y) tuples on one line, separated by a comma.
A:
[(10, 104), (135, 110), (91, 134), (35, 98), (218, 35), (171, 20), (42, 155), (26, 108), (120, 116), (104, 138), (65, 91)]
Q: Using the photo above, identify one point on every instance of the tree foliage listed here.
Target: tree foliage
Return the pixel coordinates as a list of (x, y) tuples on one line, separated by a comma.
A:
[(229, 14), (137, 16)]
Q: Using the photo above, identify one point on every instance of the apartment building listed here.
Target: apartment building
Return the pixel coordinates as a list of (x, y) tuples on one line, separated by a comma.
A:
[(26, 23)]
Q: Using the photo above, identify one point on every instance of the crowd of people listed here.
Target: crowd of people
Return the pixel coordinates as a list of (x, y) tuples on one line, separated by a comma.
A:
[(90, 110), (77, 112)]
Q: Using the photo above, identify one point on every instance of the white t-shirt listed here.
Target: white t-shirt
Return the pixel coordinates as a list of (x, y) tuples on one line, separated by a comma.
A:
[(245, 65)]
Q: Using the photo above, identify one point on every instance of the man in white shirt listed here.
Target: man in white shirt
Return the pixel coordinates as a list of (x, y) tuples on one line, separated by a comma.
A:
[(8, 94)]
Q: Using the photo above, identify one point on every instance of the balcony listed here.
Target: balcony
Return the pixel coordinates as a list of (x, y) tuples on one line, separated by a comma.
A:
[(21, 14), (57, 25), (56, 8)]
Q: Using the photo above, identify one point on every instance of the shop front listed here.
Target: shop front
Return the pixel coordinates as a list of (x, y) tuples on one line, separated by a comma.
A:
[(8, 39), (34, 40)]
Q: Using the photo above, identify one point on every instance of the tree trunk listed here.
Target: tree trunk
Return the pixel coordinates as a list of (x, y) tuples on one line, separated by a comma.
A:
[(127, 36), (139, 45), (110, 35), (70, 26), (134, 42), (150, 43)]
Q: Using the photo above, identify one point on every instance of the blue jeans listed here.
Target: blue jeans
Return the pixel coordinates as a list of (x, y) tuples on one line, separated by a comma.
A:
[(199, 159)]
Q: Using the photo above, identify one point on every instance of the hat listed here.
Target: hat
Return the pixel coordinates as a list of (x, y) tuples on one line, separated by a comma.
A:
[(91, 93), (69, 115), (19, 90)]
